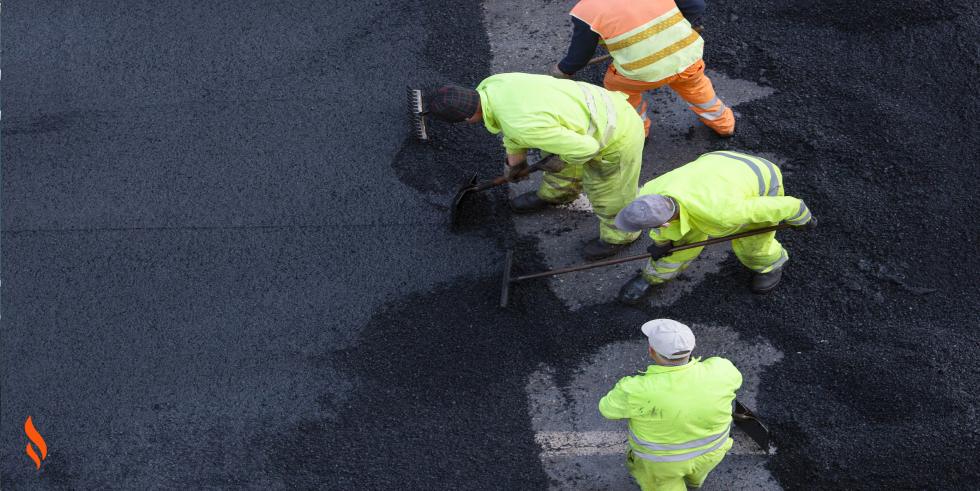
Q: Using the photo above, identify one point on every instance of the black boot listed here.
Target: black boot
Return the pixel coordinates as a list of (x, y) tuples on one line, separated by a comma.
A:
[(596, 249), (766, 282), (528, 202), (634, 290)]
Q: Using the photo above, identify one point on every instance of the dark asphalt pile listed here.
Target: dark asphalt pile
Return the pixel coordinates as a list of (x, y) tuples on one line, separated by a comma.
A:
[(877, 313)]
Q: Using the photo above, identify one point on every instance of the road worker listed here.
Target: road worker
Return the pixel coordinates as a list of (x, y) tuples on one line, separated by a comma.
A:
[(679, 411), (652, 45), (589, 139), (719, 194)]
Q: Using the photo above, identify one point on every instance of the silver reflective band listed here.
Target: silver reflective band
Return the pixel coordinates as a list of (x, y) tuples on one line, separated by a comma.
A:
[(779, 262), (713, 115), (722, 438), (610, 119), (801, 217), (673, 265), (551, 182), (594, 116), (773, 180), (707, 105)]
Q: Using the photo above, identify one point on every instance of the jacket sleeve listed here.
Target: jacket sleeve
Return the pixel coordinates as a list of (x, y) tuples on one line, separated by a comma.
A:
[(768, 209), (573, 147), (582, 47), (615, 405)]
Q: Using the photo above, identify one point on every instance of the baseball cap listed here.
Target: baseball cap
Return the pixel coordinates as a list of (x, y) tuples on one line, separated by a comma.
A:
[(669, 338), (452, 103), (647, 211)]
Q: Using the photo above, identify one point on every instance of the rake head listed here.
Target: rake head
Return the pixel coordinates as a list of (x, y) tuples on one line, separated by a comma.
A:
[(416, 114)]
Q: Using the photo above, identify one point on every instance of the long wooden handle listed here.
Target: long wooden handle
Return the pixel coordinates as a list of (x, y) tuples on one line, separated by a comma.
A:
[(610, 262)]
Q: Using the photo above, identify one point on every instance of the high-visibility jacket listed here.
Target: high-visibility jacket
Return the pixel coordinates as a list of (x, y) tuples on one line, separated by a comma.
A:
[(722, 192), (648, 40), (573, 119), (676, 413)]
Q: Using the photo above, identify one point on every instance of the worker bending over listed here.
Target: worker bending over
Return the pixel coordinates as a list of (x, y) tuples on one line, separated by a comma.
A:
[(652, 45), (589, 138), (679, 411), (719, 194)]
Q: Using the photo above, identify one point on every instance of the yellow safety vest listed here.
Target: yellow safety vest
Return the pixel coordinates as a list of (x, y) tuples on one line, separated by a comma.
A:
[(648, 40), (676, 413)]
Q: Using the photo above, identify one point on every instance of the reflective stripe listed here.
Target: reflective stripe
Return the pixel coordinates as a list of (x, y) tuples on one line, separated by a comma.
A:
[(590, 103), (642, 108), (610, 226), (643, 117), (779, 262), (610, 119), (707, 105), (678, 457), (656, 231), (663, 276), (713, 115), (646, 33), (660, 447), (801, 217), (659, 55), (559, 187), (603, 215), (773, 180), (594, 115)]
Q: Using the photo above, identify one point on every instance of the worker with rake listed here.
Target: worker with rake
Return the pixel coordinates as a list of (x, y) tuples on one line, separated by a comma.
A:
[(719, 194), (589, 138), (652, 44)]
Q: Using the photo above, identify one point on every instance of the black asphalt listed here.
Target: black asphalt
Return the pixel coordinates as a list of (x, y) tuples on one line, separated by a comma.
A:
[(226, 264)]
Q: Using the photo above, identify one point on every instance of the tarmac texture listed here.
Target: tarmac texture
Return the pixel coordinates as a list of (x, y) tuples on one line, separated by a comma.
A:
[(226, 262)]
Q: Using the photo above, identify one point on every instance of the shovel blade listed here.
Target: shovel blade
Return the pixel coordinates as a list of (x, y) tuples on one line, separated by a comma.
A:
[(454, 206), (746, 421), (505, 288)]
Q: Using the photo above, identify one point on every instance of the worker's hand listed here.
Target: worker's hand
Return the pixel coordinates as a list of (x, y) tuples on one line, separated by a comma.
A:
[(808, 226), (515, 164), (552, 163), (554, 71), (658, 251)]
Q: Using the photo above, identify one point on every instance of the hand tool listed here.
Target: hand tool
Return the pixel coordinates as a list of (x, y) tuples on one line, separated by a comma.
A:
[(505, 292), (746, 421), (416, 114), (470, 186)]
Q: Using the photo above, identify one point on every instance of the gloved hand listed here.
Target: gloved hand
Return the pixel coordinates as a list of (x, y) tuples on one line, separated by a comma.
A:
[(552, 163), (658, 251), (554, 71), (511, 171), (808, 226)]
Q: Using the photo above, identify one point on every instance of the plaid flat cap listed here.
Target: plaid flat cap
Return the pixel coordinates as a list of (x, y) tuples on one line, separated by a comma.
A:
[(452, 103)]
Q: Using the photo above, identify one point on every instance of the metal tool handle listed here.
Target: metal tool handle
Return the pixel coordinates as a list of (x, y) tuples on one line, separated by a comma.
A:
[(502, 179), (610, 262)]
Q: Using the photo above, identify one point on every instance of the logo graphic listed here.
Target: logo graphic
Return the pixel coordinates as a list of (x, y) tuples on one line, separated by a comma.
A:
[(36, 438)]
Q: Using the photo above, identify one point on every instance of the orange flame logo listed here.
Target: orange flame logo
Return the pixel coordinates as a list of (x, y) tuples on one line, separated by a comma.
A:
[(36, 438)]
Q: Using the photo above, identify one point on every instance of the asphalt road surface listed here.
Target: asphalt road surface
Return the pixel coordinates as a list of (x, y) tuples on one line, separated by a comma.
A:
[(226, 263)]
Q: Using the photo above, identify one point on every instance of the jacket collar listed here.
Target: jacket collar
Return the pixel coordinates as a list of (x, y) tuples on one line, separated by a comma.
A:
[(655, 369), (489, 119)]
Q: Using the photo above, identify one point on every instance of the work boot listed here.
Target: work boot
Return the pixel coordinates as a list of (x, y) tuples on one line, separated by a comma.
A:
[(766, 282), (528, 202), (596, 249), (634, 290)]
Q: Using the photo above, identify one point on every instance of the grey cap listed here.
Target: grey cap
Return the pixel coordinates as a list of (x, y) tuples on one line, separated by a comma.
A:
[(669, 338), (647, 211)]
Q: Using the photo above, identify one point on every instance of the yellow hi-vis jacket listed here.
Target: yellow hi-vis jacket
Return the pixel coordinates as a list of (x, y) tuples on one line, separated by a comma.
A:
[(649, 40), (722, 192), (572, 119), (676, 413)]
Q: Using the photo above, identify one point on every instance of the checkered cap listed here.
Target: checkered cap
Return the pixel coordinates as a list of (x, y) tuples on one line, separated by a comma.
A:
[(452, 103)]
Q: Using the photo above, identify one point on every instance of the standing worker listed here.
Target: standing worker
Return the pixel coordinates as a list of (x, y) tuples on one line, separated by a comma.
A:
[(589, 137), (719, 194), (652, 45), (679, 411)]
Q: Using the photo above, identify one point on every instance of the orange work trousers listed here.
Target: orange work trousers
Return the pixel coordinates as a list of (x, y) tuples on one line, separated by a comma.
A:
[(691, 84)]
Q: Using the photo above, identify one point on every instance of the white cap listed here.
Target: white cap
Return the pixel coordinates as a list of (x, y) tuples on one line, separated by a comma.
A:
[(669, 338)]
